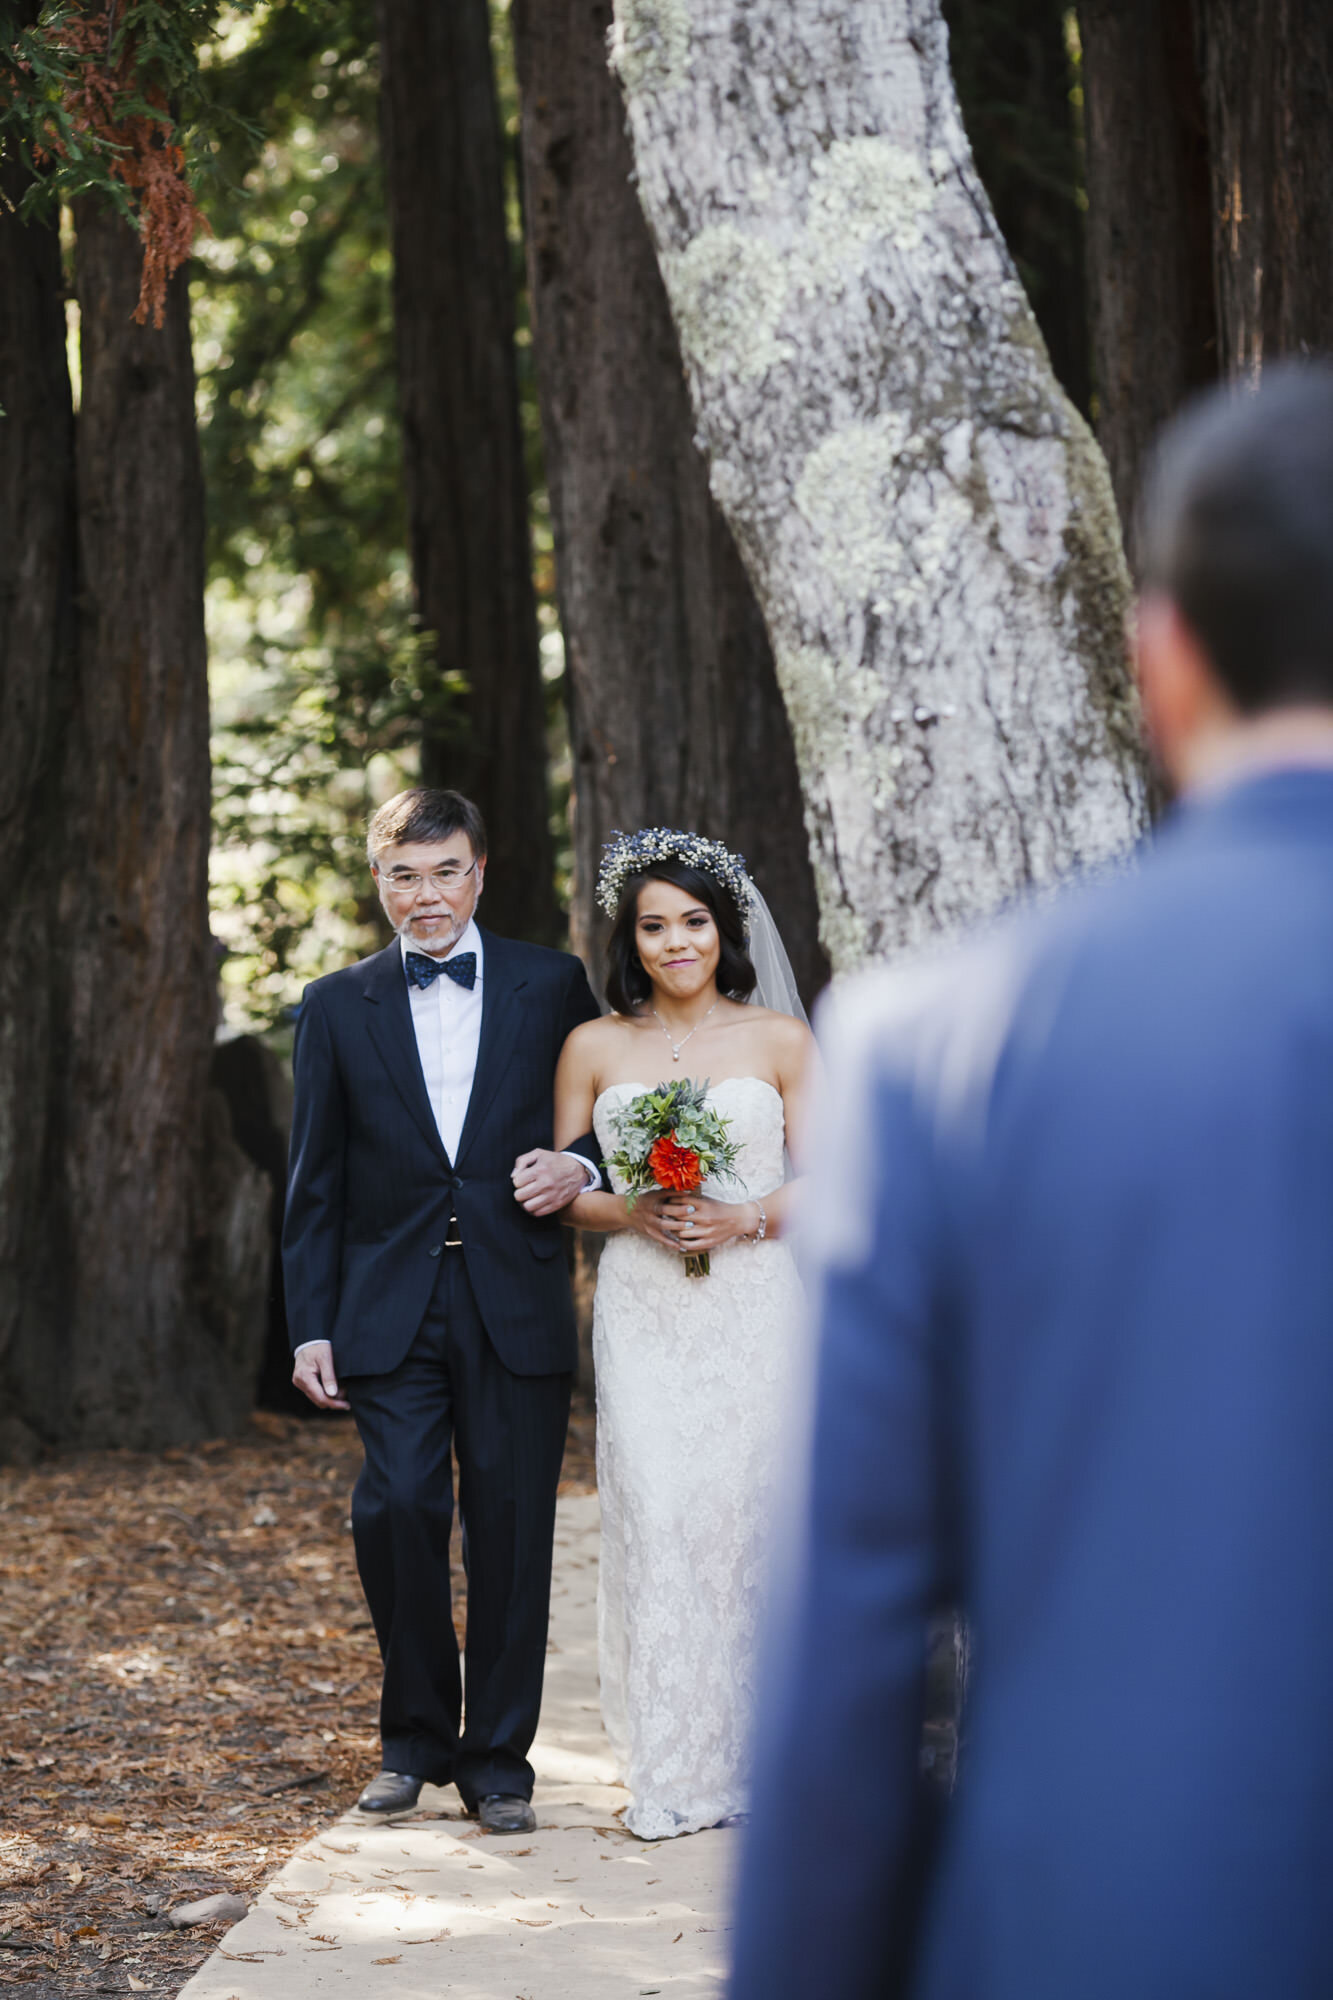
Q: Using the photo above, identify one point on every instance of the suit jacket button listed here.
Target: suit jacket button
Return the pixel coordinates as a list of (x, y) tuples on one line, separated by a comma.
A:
[(435, 1249)]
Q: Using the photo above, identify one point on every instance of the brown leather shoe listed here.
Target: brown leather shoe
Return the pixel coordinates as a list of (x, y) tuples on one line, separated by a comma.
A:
[(505, 1812)]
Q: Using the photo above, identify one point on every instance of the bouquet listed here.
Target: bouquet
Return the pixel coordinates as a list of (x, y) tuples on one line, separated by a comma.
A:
[(671, 1138)]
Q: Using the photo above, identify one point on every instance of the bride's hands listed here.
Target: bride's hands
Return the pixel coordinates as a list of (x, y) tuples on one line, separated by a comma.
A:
[(698, 1223), (646, 1219)]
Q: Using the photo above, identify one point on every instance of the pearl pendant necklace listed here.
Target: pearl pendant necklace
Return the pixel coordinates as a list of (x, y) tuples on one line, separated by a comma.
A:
[(676, 1047)]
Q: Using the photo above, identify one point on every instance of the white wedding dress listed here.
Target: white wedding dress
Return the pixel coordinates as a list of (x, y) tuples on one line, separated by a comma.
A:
[(693, 1376)]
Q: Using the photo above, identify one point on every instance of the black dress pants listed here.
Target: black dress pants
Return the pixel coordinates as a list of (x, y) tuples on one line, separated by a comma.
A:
[(508, 1432)]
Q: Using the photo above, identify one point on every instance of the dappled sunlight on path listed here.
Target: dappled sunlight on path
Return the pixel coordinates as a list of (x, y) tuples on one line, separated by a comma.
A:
[(427, 1903)]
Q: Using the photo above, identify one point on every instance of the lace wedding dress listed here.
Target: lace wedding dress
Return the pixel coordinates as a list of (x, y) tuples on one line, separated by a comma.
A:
[(692, 1379)]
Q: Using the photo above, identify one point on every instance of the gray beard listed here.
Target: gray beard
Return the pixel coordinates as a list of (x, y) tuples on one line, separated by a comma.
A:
[(436, 950)]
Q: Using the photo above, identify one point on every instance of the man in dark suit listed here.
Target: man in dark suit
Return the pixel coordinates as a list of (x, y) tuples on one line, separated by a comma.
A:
[(427, 1289), (1073, 1260)]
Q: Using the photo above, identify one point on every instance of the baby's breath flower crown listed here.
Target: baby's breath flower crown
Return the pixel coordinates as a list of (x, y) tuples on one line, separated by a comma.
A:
[(627, 854)]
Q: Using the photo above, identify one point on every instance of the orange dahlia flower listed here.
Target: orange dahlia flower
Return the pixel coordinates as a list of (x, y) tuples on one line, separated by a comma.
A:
[(675, 1166)]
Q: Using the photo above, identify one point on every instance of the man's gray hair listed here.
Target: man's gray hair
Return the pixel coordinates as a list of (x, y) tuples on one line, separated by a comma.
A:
[(425, 813)]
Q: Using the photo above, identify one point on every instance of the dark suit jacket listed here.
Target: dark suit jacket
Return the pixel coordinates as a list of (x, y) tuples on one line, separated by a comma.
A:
[(1076, 1297), (371, 1186)]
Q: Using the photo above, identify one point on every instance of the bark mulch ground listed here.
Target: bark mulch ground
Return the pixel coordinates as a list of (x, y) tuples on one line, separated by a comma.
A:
[(188, 1683)]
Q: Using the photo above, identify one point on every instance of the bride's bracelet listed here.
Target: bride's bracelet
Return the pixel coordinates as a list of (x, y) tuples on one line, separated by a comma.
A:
[(758, 1233)]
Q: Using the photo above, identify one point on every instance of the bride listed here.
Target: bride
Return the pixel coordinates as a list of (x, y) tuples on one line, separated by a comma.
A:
[(691, 1372)]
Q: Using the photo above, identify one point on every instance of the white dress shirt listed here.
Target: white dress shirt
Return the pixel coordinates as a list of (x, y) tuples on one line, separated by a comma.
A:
[(447, 1020)]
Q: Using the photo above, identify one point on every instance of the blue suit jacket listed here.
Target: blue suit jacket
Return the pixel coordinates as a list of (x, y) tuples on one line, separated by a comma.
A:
[(371, 1185), (1074, 1271)]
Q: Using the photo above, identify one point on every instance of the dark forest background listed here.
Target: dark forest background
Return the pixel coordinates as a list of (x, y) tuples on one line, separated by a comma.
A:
[(404, 485)]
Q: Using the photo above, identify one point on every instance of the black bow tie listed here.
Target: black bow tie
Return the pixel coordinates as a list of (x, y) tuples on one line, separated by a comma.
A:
[(424, 972)]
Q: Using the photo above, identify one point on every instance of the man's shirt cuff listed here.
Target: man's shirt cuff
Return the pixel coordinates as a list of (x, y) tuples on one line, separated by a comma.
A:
[(302, 1345), (594, 1180)]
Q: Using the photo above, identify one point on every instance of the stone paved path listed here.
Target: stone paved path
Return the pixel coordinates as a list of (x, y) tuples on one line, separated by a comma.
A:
[(425, 1905)]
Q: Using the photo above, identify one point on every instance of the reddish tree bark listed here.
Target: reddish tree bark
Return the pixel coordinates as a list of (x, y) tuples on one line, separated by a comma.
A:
[(1150, 249), (38, 666), (1210, 203), (131, 1228), (1268, 86), (466, 480)]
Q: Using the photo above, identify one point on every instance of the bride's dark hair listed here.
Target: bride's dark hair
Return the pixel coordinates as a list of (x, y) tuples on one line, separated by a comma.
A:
[(628, 985)]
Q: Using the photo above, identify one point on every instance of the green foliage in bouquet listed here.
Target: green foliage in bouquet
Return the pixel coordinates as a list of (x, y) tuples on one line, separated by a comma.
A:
[(671, 1137)]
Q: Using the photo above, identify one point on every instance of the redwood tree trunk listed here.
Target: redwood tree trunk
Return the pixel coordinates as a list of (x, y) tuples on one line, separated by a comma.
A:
[(151, 1170), (676, 715), (37, 673), (1268, 83), (466, 480), (136, 1258), (1150, 248)]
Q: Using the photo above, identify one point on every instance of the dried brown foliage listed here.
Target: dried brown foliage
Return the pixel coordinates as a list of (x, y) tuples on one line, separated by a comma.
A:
[(188, 1687), (109, 102)]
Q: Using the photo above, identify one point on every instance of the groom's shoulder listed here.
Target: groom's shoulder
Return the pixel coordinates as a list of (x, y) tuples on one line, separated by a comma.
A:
[(940, 1023), (933, 1016)]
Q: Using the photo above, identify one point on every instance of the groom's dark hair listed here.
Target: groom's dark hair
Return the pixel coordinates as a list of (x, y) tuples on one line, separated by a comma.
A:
[(628, 985), (427, 812), (1238, 533)]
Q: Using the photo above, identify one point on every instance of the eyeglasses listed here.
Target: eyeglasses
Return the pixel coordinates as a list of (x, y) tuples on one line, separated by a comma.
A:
[(446, 879)]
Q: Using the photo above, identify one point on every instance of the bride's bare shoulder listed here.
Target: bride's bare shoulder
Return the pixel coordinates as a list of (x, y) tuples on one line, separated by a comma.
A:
[(592, 1038), (781, 1032)]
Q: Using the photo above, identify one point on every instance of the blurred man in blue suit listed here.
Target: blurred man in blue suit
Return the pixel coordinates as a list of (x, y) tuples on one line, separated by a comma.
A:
[(1073, 1259)]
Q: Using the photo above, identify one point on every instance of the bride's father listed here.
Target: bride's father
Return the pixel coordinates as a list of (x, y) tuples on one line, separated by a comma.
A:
[(427, 1291)]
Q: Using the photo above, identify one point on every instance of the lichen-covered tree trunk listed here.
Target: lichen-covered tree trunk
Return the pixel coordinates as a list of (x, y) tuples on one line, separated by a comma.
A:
[(1268, 85), (463, 455), (1150, 227), (132, 1229), (928, 523), (676, 716)]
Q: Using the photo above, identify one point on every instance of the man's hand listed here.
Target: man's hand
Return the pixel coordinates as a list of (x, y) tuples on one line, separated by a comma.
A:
[(544, 1183), (314, 1376)]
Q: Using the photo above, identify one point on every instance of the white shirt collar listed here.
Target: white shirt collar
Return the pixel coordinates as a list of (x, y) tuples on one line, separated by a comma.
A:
[(470, 941)]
